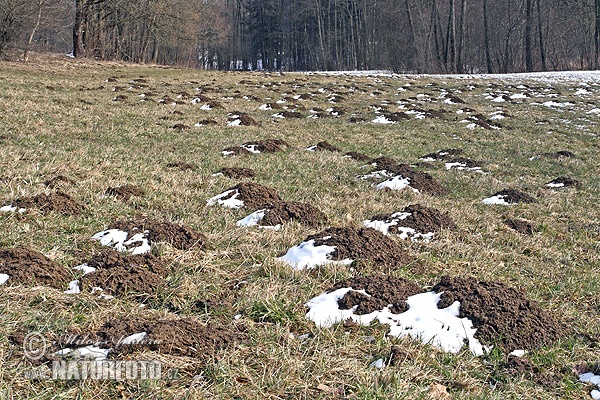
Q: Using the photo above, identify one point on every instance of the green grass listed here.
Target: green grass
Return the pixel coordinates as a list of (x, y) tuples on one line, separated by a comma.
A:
[(86, 136)]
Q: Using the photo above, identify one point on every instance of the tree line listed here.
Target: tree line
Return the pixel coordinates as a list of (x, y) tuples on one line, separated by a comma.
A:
[(423, 36)]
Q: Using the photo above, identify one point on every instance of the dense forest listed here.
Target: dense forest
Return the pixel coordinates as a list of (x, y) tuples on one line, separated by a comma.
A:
[(425, 36)]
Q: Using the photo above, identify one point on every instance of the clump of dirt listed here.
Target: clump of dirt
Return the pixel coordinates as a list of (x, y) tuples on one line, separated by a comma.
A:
[(59, 180), (455, 100), (29, 267), (422, 219), (235, 151), (503, 316), (325, 146), (519, 366), (289, 114), (396, 116), (443, 154), (272, 106), (358, 156), (563, 181), (243, 118), (57, 201), (268, 145), (514, 196), (255, 196), (383, 163), (559, 154), (179, 236), (356, 119), (207, 122), (363, 244), (181, 165), (181, 337), (465, 162), (236, 172), (215, 104), (120, 97), (383, 290), (181, 127), (483, 122), (422, 181), (125, 192), (285, 211), (519, 225)]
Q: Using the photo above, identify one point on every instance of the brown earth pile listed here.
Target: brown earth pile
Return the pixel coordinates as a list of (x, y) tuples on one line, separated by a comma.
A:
[(236, 172), (422, 219), (57, 201), (29, 267), (514, 196), (285, 211), (255, 196), (179, 236), (519, 225)]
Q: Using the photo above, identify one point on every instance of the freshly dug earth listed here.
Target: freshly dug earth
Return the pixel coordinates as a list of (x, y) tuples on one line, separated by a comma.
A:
[(566, 182), (384, 290), (326, 146), (181, 337), (559, 154), (502, 315), (443, 154), (181, 165), (58, 181), (178, 236), (519, 225), (58, 201), (467, 162), (358, 156), (29, 267), (514, 196), (421, 181), (383, 163), (285, 211), (255, 196), (125, 192), (422, 219), (269, 145), (236, 172), (119, 274), (363, 245)]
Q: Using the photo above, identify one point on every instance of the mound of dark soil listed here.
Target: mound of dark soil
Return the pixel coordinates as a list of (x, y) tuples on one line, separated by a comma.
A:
[(181, 337), (59, 180), (503, 316), (125, 192), (178, 236), (207, 122), (289, 114), (269, 145), (120, 97), (358, 156), (273, 106), (419, 180), (236, 172), (559, 154), (57, 201), (255, 196), (181, 165), (422, 219), (384, 163), (465, 162), (519, 225), (514, 196), (396, 116), (235, 151), (181, 127), (483, 122), (29, 267), (455, 100), (325, 146), (285, 211), (383, 290), (243, 118), (362, 245), (564, 181), (443, 154)]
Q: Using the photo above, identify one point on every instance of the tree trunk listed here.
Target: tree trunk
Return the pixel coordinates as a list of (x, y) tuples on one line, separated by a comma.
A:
[(461, 36), (528, 38), (541, 37), (33, 31), (78, 43), (486, 38)]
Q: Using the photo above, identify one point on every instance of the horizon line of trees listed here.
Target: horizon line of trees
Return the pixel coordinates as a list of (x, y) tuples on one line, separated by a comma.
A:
[(423, 36)]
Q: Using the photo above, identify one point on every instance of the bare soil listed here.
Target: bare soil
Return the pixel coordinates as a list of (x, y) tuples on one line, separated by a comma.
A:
[(31, 268), (567, 182), (358, 156), (236, 172), (285, 211), (362, 245), (255, 196), (503, 316), (519, 225), (57, 201), (179, 236), (514, 196), (422, 219)]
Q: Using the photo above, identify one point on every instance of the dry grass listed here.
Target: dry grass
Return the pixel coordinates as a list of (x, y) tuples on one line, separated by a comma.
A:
[(58, 117)]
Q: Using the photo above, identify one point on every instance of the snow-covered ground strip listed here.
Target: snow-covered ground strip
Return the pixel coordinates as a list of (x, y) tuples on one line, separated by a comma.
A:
[(463, 166), (423, 320), (383, 120), (396, 183), (554, 185), (118, 239), (496, 200), (307, 255), (592, 378), (87, 353), (225, 201), (10, 208)]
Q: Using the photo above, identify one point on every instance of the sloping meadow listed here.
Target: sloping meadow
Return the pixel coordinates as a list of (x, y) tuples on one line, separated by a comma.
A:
[(269, 235)]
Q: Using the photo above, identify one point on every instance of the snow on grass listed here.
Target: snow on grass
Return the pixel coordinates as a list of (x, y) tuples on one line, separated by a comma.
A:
[(118, 239), (86, 269), (307, 255), (225, 199), (590, 377), (73, 288), (87, 353), (555, 185), (3, 278), (254, 219), (423, 320), (396, 183), (381, 173), (462, 166), (496, 200), (383, 120), (235, 122), (10, 208)]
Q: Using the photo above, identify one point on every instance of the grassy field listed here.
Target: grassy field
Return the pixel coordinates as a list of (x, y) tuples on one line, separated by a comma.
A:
[(58, 116)]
